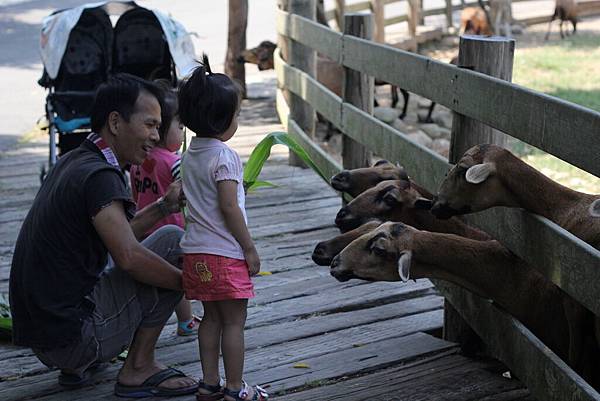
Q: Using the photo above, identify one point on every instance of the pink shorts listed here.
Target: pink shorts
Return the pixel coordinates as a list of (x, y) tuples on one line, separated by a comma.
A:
[(215, 278)]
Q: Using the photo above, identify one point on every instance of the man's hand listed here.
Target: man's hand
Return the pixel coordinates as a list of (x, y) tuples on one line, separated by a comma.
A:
[(252, 260), (174, 198)]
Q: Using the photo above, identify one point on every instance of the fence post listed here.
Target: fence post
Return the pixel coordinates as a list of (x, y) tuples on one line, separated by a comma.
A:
[(449, 22), (492, 56), (340, 10), (357, 90), (378, 10), (413, 18), (303, 58), (421, 14)]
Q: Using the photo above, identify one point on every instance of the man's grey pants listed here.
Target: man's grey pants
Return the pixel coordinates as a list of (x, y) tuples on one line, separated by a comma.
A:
[(122, 306)]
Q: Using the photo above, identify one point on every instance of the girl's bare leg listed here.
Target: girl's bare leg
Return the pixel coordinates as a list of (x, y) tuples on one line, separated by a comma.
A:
[(209, 340), (233, 315)]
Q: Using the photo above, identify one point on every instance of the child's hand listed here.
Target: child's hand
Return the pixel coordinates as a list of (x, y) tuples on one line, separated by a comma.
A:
[(252, 260)]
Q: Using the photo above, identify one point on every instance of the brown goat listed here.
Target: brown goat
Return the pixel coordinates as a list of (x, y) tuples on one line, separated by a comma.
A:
[(474, 21), (400, 201), (394, 252), (358, 180), (261, 55), (488, 176), (565, 10), (325, 251)]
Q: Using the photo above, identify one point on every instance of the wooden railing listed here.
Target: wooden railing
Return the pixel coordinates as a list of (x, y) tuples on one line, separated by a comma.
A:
[(415, 9), (563, 129)]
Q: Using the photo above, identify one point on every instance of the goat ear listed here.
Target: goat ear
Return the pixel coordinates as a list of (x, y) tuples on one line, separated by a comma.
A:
[(595, 208), (423, 203), (380, 162), (392, 197), (404, 266), (479, 173)]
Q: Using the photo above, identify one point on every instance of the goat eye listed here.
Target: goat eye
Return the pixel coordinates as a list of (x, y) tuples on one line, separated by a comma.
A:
[(390, 201), (379, 251)]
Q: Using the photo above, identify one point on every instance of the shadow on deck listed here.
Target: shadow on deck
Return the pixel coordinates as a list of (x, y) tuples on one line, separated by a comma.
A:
[(308, 336)]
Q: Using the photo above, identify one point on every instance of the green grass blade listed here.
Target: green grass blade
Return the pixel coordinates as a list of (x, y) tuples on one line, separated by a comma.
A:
[(262, 151), (259, 184)]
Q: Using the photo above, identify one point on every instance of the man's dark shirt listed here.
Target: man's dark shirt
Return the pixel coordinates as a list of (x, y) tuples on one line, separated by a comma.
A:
[(59, 255)]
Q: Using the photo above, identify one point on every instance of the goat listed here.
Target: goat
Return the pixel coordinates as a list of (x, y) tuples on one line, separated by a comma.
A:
[(475, 21), (488, 176), (358, 180), (400, 201), (325, 251), (261, 55), (329, 73), (565, 10), (394, 252)]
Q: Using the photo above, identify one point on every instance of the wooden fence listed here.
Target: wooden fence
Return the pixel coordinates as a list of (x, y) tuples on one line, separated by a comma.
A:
[(416, 12), (566, 130)]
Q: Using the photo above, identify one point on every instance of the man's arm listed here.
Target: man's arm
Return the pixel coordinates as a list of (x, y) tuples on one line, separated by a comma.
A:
[(142, 264), (151, 214)]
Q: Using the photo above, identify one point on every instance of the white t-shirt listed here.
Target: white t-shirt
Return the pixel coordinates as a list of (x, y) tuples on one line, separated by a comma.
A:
[(207, 161)]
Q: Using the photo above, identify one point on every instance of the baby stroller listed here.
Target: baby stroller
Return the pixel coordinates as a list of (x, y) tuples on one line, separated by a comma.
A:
[(80, 48)]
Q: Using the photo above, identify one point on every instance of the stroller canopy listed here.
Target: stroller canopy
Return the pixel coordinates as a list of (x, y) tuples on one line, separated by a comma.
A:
[(57, 28)]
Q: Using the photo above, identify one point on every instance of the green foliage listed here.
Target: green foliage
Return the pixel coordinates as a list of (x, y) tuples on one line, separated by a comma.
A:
[(261, 153), (5, 318), (562, 68)]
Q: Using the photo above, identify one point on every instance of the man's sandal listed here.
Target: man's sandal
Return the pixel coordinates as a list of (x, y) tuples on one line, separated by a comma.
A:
[(151, 386), (215, 391), (259, 393), (188, 327)]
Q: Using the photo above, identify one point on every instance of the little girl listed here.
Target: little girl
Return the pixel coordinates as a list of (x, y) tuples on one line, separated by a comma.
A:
[(219, 255), (151, 180)]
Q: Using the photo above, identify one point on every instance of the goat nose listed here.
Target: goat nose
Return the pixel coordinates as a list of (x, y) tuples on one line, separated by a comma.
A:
[(241, 59), (319, 250), (341, 214)]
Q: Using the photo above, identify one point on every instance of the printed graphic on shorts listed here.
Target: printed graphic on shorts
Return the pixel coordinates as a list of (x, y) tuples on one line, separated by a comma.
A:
[(203, 272)]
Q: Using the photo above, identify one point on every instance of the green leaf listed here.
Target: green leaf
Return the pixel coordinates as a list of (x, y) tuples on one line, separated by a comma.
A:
[(258, 184), (4, 306), (262, 151), (5, 323), (5, 318)]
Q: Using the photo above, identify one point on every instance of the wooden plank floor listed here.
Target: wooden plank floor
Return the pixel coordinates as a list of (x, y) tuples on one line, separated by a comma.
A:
[(357, 341)]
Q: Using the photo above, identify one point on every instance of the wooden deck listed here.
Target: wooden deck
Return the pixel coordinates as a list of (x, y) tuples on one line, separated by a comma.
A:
[(353, 341)]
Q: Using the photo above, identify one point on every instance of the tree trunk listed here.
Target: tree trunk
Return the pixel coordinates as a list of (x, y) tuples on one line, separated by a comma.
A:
[(236, 41)]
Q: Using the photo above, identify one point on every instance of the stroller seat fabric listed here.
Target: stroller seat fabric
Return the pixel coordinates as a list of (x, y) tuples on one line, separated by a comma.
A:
[(86, 61), (80, 49), (140, 47)]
